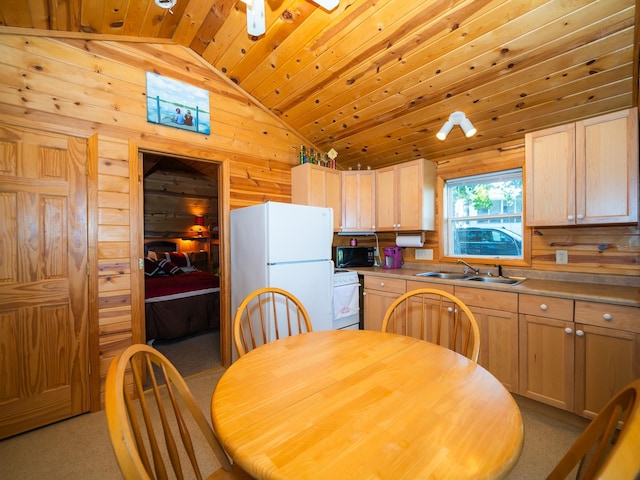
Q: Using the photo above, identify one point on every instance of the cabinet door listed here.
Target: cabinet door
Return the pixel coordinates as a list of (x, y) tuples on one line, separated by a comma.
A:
[(358, 206), (385, 199), (413, 200), (607, 169), (319, 187), (550, 174), (499, 344), (547, 361), (376, 304), (379, 294), (606, 360)]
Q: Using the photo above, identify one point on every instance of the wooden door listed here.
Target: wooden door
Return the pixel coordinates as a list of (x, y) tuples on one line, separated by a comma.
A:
[(358, 191), (385, 198), (409, 195), (43, 279), (606, 360), (547, 361), (550, 176), (607, 169), (499, 344)]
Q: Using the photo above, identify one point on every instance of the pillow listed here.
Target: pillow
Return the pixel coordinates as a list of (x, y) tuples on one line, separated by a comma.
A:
[(169, 267), (181, 259), (151, 267)]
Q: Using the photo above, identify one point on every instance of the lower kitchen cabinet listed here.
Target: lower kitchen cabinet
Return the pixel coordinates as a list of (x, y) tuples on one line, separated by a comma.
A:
[(497, 315), (379, 294), (576, 360), (607, 355), (547, 367)]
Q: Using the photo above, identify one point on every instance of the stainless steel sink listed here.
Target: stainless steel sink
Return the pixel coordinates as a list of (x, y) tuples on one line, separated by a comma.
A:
[(446, 275), (473, 278), (499, 280)]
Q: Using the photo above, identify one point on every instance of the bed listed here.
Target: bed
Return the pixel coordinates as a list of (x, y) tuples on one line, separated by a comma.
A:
[(180, 300)]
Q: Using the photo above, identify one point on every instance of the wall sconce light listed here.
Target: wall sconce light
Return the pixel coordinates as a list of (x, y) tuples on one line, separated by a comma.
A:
[(199, 222), (457, 118), (255, 14)]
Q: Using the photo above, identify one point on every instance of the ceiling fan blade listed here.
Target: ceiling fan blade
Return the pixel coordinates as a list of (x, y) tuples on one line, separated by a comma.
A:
[(255, 18), (328, 4)]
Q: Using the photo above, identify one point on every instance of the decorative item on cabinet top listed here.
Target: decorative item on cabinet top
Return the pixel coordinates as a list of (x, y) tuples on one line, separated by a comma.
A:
[(310, 155)]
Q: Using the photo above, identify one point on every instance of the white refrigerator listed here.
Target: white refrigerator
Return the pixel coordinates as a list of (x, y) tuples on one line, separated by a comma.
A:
[(286, 246)]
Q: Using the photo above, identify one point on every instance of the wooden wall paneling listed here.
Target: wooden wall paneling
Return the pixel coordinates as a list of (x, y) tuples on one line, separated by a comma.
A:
[(93, 219)]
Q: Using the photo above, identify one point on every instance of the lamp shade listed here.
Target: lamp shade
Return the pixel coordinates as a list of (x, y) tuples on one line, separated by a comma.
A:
[(198, 220), (444, 131)]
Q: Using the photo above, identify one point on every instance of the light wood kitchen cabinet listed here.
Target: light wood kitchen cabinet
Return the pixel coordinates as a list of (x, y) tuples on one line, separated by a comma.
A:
[(547, 366), (379, 294), (497, 315), (584, 173), (405, 196), (358, 201), (319, 187), (607, 353)]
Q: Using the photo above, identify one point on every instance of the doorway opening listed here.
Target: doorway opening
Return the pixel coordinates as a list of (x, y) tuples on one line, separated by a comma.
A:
[(181, 219)]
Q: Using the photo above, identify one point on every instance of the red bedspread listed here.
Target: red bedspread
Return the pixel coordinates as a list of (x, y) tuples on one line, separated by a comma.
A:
[(161, 286)]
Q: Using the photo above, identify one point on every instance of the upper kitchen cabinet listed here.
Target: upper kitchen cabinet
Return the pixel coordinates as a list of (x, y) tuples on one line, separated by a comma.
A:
[(317, 186), (584, 173), (405, 196), (358, 201)]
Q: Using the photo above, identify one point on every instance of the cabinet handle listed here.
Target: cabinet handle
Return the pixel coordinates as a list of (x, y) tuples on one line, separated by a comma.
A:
[(570, 218), (580, 333), (543, 307), (568, 330), (608, 317), (449, 309), (382, 284), (580, 217), (364, 293)]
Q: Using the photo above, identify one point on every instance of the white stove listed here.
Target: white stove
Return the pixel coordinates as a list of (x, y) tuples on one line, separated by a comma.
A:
[(346, 300)]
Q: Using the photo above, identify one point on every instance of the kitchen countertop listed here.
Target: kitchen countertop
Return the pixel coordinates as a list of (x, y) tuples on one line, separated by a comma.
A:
[(589, 291)]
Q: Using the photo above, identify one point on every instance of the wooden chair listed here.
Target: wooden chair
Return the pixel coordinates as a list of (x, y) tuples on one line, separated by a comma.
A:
[(147, 438), (268, 314), (435, 316), (610, 445)]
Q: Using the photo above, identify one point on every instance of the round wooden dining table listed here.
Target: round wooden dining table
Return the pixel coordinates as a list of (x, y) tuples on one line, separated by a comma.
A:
[(352, 404)]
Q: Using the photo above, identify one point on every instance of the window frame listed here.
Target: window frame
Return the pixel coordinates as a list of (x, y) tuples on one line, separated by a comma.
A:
[(445, 222)]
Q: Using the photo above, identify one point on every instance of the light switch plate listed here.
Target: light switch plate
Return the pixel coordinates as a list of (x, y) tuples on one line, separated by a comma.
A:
[(562, 257)]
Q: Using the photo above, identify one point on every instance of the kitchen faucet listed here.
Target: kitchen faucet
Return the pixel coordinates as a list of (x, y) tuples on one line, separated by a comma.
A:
[(499, 269), (468, 267)]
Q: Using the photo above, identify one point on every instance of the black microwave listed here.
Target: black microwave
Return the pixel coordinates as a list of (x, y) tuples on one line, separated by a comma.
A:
[(349, 257)]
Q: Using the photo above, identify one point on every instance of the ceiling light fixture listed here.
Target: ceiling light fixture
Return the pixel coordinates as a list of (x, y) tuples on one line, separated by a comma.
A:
[(256, 25), (168, 4), (457, 118)]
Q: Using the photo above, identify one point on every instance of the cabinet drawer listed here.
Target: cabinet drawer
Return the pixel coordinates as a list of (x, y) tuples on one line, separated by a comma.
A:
[(548, 307), (493, 299), (415, 284), (391, 285), (619, 317)]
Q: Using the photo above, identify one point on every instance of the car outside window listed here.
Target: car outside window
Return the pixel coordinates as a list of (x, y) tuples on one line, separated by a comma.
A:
[(483, 216)]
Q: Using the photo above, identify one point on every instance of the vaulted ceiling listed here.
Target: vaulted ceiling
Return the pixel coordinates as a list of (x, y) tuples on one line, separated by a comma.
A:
[(376, 79)]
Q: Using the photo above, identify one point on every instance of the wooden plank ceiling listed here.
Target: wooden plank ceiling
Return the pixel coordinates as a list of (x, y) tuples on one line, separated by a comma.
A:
[(376, 79)]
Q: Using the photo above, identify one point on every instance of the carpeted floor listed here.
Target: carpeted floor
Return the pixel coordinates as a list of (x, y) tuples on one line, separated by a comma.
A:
[(193, 354), (79, 448)]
